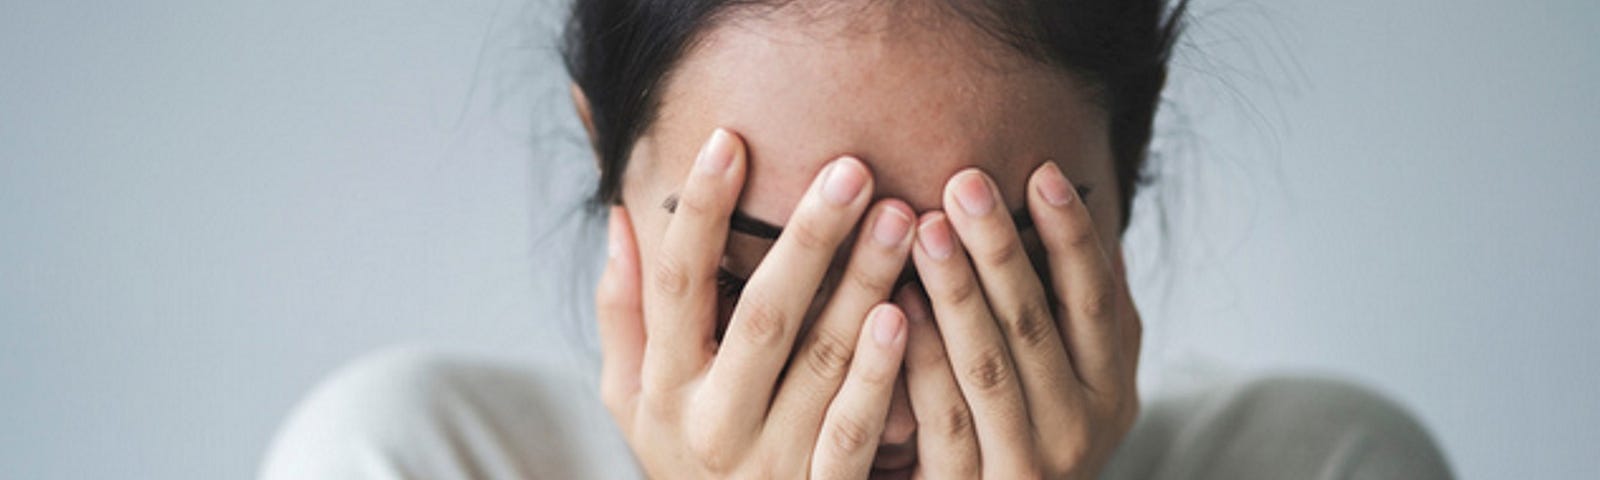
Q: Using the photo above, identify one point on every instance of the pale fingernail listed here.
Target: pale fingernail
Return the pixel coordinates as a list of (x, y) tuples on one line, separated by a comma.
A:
[(1053, 186), (716, 155), (886, 326), (973, 193), (892, 227), (934, 237), (845, 179)]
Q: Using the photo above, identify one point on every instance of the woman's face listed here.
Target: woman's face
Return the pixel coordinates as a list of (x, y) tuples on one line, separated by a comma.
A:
[(916, 96)]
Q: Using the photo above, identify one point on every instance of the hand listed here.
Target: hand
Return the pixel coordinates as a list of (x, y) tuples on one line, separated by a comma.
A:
[(1017, 380), (691, 408)]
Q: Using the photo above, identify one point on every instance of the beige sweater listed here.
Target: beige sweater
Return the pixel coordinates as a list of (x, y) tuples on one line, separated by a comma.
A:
[(409, 414)]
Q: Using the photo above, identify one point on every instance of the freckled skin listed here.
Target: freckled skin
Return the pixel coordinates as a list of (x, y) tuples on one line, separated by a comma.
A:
[(915, 104), (918, 97)]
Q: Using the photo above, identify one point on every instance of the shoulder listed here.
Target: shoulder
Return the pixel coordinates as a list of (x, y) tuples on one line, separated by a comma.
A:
[(1282, 427), (422, 413)]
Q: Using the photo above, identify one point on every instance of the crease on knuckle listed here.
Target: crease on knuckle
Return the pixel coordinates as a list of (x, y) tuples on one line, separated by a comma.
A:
[(1080, 235), (849, 434), (963, 291), (828, 355), (809, 237), (1032, 324), (1066, 458), (989, 370), (1005, 253), (1098, 305), (930, 359), (671, 276), (869, 282), (697, 204), (877, 373), (954, 421), (761, 323)]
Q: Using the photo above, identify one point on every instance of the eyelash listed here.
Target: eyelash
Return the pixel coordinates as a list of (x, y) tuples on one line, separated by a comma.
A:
[(729, 285)]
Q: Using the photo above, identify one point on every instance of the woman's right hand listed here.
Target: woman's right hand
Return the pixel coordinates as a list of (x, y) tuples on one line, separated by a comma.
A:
[(693, 408)]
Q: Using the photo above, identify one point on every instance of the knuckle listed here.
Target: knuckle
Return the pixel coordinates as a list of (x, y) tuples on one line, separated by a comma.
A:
[(954, 421), (1098, 305), (869, 282), (963, 291), (849, 434), (710, 446), (697, 203), (989, 370), (1032, 324), (1003, 253), (1080, 235), (809, 237), (657, 405), (828, 355), (876, 373), (760, 322), (1066, 457), (931, 359), (671, 276)]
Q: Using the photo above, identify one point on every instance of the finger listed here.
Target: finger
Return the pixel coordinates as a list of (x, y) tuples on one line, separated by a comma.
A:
[(681, 291), (977, 350), (855, 419), (761, 332), (1082, 277), (621, 318), (947, 445), (1016, 298), (823, 356), (1131, 325)]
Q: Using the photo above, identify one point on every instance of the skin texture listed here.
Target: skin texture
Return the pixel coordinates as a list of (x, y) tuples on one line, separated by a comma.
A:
[(934, 115)]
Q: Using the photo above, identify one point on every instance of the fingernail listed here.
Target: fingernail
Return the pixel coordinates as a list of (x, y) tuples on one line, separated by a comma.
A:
[(716, 155), (1053, 186), (892, 227), (973, 193), (934, 236), (844, 181), (886, 326)]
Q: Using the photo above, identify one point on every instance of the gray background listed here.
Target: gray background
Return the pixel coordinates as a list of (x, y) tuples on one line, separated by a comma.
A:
[(205, 206)]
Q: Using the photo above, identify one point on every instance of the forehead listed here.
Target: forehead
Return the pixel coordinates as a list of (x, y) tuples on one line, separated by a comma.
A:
[(917, 96)]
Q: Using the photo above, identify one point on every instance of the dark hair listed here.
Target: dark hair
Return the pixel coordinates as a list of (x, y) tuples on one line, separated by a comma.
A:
[(619, 51)]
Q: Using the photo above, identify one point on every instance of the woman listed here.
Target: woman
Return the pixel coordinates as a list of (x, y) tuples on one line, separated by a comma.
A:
[(852, 239)]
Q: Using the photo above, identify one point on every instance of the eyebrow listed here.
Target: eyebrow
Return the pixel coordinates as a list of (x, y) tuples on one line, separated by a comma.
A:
[(748, 225)]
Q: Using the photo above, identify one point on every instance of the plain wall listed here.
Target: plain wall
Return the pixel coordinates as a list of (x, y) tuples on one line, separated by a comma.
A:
[(206, 206)]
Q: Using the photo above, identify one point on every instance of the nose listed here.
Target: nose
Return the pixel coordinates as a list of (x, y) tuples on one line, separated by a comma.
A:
[(901, 425)]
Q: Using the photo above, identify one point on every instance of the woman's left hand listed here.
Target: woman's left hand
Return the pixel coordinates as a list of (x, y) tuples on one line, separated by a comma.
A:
[(1017, 381)]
